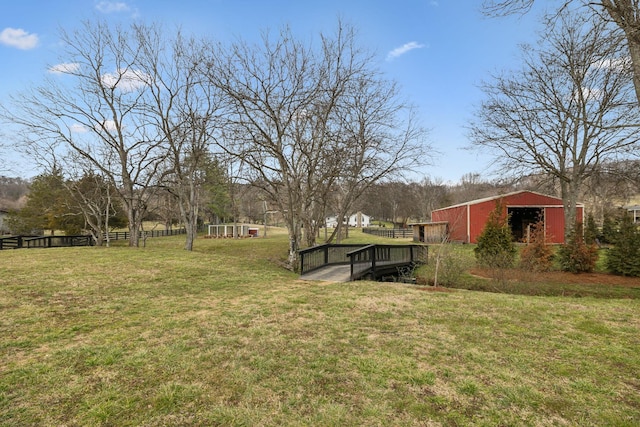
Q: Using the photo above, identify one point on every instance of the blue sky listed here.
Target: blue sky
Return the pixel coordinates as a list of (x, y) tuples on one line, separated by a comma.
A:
[(437, 50)]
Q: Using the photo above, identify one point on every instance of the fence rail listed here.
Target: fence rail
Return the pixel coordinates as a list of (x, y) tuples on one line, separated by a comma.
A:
[(124, 235), (19, 242), (392, 233), (58, 241)]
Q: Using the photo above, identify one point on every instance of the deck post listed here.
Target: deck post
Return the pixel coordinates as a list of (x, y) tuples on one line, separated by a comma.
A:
[(373, 260)]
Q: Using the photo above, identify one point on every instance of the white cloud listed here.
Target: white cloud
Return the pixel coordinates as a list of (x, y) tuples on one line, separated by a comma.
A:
[(403, 49), (125, 80), (78, 128), (17, 37), (618, 64), (108, 125), (65, 68), (112, 6)]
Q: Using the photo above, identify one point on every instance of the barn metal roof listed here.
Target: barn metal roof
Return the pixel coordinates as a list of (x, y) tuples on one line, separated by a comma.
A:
[(500, 196)]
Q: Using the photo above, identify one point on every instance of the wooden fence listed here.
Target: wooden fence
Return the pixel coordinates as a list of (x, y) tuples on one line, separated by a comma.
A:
[(124, 235), (392, 233), (20, 242)]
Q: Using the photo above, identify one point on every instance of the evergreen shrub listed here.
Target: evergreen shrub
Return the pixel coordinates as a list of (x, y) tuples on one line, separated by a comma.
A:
[(537, 256), (576, 256), (624, 257), (495, 247)]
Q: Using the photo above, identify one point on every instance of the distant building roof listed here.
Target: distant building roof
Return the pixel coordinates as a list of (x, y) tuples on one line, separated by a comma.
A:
[(505, 195)]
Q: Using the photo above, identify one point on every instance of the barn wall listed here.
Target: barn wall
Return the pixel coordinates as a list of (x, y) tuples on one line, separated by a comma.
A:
[(554, 224), (479, 216), (457, 219)]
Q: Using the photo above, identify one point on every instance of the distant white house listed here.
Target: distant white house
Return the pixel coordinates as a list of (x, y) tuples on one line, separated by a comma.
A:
[(357, 220)]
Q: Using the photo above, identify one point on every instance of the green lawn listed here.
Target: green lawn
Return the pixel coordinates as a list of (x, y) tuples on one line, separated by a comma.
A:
[(224, 336)]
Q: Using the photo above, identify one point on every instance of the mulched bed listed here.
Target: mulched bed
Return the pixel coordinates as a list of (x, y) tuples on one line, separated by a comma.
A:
[(563, 277)]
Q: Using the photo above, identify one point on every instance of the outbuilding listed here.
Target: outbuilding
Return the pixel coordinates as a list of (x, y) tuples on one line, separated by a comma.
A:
[(467, 220)]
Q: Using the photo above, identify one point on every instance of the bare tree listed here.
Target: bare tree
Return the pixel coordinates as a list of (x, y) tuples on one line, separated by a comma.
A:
[(381, 140), (93, 196), (431, 194), (303, 121), (95, 105), (569, 108), (184, 109), (624, 13)]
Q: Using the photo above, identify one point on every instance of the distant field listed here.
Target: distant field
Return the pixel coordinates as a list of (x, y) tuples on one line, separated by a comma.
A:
[(223, 336)]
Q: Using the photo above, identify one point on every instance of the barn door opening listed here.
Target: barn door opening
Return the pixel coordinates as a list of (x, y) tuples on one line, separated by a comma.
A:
[(521, 218)]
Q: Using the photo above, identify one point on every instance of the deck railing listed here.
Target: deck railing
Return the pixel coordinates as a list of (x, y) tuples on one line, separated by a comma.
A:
[(364, 259), (373, 260), (327, 254)]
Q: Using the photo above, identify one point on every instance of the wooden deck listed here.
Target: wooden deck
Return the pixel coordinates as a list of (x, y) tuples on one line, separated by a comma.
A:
[(330, 273), (344, 263)]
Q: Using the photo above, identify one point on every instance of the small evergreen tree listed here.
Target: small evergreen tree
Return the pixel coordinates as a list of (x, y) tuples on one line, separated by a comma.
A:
[(495, 244), (609, 228), (537, 256), (47, 208), (624, 257), (575, 255), (590, 231)]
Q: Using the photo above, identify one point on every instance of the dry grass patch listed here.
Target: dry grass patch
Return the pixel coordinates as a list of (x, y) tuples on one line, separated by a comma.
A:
[(160, 336)]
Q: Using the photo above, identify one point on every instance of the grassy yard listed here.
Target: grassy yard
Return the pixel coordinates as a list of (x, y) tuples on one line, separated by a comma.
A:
[(224, 336)]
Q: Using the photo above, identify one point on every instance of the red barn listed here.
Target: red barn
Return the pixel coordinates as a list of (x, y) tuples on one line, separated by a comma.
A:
[(467, 220)]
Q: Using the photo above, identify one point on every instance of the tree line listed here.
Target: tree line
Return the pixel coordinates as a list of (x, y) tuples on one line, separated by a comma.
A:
[(315, 127), (52, 202), (146, 111)]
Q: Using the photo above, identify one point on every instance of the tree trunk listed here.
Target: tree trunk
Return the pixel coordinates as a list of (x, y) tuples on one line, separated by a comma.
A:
[(135, 223), (625, 15), (569, 190), (134, 233), (295, 236), (191, 224), (634, 52)]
